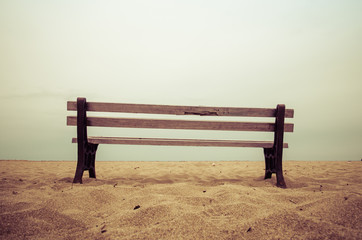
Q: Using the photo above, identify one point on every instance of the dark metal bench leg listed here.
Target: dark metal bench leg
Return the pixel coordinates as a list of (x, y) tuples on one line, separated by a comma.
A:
[(86, 161), (273, 156), (278, 144), (91, 158), (80, 163), (269, 162), (279, 168), (273, 164), (86, 151)]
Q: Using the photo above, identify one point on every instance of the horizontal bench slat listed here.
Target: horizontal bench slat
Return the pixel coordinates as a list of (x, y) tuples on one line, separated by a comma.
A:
[(178, 124), (179, 142), (179, 110)]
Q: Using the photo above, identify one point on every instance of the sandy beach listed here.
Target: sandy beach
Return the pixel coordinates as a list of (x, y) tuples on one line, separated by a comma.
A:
[(180, 200)]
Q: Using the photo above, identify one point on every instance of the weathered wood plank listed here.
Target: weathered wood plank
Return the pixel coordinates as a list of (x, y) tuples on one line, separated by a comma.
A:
[(178, 124), (179, 142), (179, 110)]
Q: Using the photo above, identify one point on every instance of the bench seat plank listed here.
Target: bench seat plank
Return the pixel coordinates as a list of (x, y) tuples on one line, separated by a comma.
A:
[(179, 142)]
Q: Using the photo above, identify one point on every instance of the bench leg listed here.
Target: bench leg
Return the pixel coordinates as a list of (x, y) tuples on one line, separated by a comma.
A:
[(91, 158), (278, 144), (86, 161), (273, 164), (279, 170), (269, 162)]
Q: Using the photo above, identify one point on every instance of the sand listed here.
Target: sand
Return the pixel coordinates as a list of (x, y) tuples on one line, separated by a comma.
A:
[(180, 200)]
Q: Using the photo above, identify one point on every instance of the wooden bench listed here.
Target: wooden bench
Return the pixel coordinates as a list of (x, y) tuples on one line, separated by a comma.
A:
[(87, 146)]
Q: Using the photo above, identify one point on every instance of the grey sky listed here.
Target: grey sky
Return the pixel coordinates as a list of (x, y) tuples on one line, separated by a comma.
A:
[(305, 54)]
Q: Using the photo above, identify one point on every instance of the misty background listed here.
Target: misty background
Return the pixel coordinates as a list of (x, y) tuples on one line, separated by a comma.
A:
[(305, 54)]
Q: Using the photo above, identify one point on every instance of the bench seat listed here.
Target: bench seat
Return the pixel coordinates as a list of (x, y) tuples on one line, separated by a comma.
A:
[(179, 142)]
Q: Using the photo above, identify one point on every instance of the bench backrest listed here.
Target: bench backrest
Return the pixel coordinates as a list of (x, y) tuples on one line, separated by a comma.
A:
[(278, 113)]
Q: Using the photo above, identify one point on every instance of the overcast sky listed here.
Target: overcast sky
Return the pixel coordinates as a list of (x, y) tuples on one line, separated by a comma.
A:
[(305, 54)]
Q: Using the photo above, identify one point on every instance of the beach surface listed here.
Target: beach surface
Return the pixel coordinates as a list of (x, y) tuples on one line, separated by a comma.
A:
[(180, 200)]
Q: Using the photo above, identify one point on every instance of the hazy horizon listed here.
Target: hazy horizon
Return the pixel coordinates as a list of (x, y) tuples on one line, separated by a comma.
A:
[(304, 54)]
